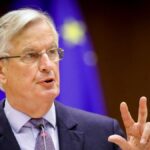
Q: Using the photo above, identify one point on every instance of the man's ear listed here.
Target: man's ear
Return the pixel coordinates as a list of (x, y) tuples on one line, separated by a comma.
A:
[(3, 72)]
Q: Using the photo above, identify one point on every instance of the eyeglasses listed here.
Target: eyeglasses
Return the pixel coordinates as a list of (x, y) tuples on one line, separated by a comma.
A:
[(30, 57)]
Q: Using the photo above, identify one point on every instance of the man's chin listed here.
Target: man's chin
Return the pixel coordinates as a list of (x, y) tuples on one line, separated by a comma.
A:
[(49, 94)]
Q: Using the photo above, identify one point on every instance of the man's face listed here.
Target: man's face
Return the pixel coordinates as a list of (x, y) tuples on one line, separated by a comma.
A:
[(35, 85)]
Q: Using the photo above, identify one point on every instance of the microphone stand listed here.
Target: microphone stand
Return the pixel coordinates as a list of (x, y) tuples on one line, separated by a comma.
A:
[(43, 134)]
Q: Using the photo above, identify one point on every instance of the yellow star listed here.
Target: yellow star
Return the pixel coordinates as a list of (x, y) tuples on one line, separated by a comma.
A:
[(73, 31)]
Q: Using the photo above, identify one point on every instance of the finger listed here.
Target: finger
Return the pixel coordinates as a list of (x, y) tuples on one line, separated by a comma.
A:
[(120, 141), (142, 114), (126, 116), (146, 134)]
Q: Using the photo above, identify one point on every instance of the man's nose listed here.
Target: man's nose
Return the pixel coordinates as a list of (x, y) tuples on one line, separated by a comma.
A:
[(45, 64)]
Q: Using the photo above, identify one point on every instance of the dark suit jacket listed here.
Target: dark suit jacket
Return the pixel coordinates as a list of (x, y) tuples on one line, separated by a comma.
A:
[(78, 130)]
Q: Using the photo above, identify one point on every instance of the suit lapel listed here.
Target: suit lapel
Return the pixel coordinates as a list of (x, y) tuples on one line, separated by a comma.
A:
[(7, 138), (69, 136)]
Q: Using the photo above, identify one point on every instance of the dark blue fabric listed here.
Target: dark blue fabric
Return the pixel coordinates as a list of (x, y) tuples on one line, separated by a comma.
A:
[(78, 130)]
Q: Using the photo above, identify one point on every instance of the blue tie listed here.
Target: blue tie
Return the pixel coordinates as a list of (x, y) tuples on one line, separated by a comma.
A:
[(43, 140)]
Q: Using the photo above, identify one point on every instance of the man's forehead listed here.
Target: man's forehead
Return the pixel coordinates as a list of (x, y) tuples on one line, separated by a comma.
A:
[(34, 46), (37, 37), (36, 29), (49, 39)]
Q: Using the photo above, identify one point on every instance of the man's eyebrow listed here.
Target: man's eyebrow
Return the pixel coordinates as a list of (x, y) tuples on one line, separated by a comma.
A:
[(29, 48), (53, 46)]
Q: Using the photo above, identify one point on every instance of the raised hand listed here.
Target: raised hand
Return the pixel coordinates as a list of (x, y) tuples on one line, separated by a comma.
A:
[(138, 133)]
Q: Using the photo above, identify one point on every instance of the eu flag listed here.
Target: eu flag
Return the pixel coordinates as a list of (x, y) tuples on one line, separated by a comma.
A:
[(80, 80)]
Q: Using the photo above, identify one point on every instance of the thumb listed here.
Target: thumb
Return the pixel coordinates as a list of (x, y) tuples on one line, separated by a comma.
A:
[(120, 141)]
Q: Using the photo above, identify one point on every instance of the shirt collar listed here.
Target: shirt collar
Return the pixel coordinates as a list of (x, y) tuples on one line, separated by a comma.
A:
[(18, 119), (50, 116)]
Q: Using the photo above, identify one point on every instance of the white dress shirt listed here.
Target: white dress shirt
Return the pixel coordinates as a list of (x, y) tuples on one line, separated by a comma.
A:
[(26, 137)]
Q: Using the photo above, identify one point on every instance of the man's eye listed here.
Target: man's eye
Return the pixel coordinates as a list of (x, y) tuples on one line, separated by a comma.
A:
[(32, 55), (52, 52)]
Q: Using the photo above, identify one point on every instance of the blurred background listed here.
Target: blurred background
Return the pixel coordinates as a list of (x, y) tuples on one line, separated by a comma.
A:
[(116, 56)]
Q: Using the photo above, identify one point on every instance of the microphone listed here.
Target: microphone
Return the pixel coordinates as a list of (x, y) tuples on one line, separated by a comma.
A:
[(42, 130), (43, 134), (40, 126)]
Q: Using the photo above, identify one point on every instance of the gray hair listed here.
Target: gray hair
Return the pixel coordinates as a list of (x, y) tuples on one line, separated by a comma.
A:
[(14, 21)]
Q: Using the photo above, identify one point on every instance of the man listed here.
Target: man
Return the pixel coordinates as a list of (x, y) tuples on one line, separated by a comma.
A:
[(29, 75)]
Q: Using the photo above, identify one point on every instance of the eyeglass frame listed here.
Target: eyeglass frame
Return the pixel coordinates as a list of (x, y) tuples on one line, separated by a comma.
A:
[(60, 52)]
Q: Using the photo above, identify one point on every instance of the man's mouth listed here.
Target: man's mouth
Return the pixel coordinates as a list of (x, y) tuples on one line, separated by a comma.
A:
[(48, 83), (49, 80)]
